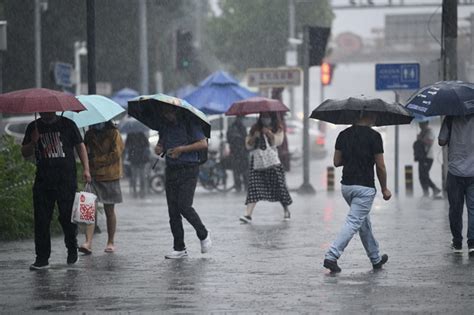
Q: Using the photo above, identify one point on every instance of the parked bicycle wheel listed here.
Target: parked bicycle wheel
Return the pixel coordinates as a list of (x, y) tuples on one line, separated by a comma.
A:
[(219, 178), (157, 184)]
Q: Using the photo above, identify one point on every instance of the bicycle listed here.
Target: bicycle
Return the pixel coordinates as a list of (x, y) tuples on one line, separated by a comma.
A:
[(213, 174), (156, 180)]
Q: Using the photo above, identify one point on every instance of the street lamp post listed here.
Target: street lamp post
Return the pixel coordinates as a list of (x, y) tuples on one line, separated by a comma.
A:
[(80, 49)]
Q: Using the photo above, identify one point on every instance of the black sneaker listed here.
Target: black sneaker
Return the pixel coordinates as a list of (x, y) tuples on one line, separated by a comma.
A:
[(331, 265), (470, 250), (39, 265), (457, 248), (72, 257), (246, 219), (381, 262)]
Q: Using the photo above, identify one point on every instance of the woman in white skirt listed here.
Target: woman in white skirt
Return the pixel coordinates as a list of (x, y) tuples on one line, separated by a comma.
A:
[(105, 147), (269, 183)]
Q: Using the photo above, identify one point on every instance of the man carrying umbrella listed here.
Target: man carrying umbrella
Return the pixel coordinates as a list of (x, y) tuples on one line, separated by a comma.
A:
[(180, 140), (183, 132), (358, 149), (458, 133), (52, 140)]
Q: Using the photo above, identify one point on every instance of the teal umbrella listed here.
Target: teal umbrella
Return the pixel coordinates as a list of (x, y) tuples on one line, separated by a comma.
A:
[(147, 109), (99, 109)]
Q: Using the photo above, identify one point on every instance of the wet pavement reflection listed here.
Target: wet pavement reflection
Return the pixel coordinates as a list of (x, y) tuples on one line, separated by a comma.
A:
[(269, 266)]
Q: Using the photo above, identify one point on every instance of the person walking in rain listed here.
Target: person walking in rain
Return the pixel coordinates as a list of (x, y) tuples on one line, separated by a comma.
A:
[(458, 134), (138, 154), (105, 147), (358, 148), (236, 135), (269, 183), (424, 156), (52, 140), (180, 138)]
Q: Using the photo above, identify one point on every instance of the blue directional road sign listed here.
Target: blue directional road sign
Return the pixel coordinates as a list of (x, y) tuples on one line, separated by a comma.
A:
[(397, 76), (62, 74)]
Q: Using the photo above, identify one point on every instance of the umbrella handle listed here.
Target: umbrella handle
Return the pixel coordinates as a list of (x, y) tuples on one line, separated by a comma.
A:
[(156, 162)]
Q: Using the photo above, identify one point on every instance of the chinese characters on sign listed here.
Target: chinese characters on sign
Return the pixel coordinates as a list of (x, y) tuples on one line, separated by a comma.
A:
[(273, 77)]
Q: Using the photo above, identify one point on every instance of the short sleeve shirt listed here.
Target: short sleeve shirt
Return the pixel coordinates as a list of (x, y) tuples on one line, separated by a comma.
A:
[(359, 145), (460, 137), (54, 153), (175, 135)]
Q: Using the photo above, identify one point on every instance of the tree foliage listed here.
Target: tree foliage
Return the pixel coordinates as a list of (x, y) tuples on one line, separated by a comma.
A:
[(254, 33)]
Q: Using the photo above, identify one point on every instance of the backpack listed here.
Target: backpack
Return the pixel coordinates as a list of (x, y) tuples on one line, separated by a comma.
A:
[(202, 154), (419, 150)]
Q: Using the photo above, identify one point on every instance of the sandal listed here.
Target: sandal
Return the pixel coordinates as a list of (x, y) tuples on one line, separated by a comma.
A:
[(85, 250), (109, 249)]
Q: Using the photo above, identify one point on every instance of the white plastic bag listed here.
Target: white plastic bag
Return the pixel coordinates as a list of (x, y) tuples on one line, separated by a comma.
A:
[(84, 207)]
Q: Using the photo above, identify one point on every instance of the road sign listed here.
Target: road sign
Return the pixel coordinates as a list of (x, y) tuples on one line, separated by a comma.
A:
[(397, 76), (273, 77), (62, 74)]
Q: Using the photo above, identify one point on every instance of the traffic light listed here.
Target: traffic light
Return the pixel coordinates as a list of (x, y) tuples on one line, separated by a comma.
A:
[(327, 70), (318, 39), (184, 49)]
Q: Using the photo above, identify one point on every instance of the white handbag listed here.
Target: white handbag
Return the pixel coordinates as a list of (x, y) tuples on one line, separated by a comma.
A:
[(265, 159)]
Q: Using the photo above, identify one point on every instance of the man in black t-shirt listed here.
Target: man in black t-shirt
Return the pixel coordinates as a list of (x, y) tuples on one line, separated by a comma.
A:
[(358, 149), (52, 140)]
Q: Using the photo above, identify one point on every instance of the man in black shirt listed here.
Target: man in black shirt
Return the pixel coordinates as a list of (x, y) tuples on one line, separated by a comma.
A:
[(52, 140), (358, 148)]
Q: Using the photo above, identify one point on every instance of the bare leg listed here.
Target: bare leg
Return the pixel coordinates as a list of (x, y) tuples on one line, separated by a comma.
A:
[(87, 246), (250, 207), (111, 224)]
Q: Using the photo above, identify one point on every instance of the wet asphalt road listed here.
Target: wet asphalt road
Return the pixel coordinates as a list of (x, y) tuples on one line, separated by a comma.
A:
[(269, 266)]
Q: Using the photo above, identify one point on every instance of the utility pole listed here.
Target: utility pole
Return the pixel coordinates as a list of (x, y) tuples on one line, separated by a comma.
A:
[(449, 39), (38, 69), (291, 52), (306, 187), (143, 46), (91, 78)]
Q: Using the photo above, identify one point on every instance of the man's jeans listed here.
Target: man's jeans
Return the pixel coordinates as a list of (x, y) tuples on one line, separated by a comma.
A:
[(180, 185), (458, 189), (360, 199)]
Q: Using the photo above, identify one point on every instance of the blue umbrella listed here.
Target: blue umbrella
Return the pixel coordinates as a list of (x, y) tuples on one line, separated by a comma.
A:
[(123, 96), (131, 125), (451, 98), (99, 109), (217, 93)]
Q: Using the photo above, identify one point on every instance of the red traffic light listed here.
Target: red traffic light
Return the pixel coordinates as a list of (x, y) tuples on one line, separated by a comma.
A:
[(326, 73)]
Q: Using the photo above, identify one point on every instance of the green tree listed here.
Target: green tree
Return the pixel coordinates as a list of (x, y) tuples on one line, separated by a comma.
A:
[(254, 33)]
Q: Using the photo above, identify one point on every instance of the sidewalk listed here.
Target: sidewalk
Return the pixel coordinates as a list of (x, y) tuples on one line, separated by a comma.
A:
[(269, 266)]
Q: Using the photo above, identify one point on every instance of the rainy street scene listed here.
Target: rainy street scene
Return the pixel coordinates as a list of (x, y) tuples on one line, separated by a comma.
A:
[(237, 156)]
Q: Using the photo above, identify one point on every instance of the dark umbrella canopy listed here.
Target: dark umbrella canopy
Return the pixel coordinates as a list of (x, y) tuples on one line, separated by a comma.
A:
[(451, 98), (256, 105), (149, 110), (348, 111), (38, 100)]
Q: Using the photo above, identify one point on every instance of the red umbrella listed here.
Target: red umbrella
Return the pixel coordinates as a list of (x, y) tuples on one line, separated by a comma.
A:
[(256, 105), (38, 100)]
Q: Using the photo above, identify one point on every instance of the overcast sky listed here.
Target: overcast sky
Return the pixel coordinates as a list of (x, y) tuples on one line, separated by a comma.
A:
[(363, 21)]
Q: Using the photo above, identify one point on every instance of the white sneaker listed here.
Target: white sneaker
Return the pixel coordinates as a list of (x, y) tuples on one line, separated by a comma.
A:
[(206, 243), (177, 254)]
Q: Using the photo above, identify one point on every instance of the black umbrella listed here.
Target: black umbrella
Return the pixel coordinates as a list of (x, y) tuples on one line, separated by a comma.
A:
[(452, 98), (349, 110)]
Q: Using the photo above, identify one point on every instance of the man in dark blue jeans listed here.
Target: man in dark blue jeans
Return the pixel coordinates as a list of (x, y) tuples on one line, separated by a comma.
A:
[(180, 138), (458, 133)]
